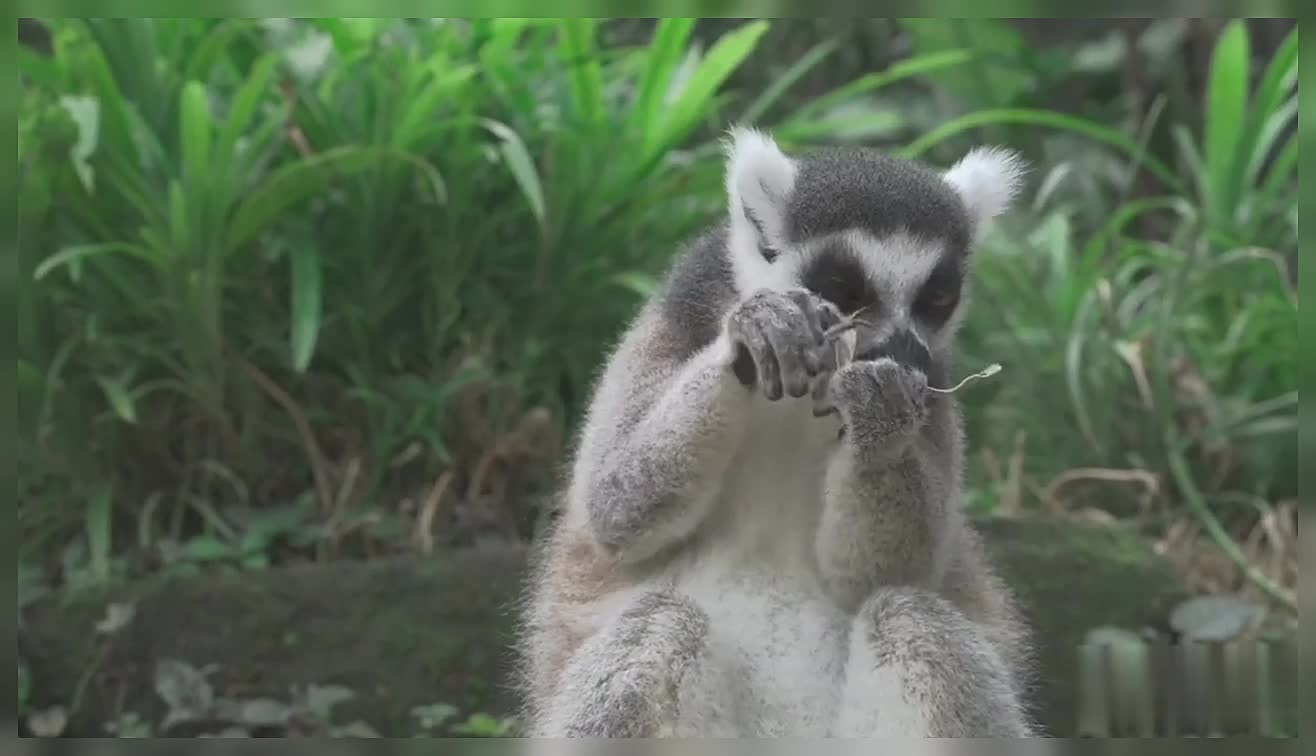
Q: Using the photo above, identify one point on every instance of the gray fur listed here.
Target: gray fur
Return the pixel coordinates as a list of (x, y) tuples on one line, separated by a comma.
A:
[(842, 188), (917, 641), (635, 679), (727, 563), (698, 291)]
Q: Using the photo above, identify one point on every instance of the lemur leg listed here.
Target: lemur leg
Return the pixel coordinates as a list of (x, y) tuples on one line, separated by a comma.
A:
[(651, 673), (918, 667)]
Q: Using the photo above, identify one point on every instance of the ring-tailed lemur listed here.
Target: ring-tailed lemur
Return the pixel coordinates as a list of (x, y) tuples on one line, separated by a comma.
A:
[(727, 562)]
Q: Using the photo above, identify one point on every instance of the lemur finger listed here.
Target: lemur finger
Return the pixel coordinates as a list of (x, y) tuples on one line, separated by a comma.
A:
[(812, 337), (820, 388), (790, 345), (770, 375), (750, 345), (810, 305), (767, 360), (795, 374), (828, 314)]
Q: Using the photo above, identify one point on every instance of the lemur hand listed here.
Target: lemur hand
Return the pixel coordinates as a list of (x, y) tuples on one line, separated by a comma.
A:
[(881, 402), (778, 341)]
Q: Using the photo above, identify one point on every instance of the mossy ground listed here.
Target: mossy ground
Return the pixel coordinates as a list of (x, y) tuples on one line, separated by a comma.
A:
[(408, 633)]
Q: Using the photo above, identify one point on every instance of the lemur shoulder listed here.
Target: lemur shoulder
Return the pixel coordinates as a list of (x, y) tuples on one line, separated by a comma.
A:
[(729, 559)]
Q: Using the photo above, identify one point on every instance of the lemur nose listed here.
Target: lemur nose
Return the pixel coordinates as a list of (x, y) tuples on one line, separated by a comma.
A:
[(901, 346)]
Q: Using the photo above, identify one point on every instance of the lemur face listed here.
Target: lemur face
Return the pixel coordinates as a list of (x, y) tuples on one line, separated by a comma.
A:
[(888, 238)]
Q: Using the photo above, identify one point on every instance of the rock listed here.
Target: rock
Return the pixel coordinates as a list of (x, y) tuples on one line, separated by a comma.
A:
[(405, 634)]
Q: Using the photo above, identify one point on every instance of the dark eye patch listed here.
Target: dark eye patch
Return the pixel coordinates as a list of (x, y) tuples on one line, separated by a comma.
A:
[(835, 274), (940, 294)]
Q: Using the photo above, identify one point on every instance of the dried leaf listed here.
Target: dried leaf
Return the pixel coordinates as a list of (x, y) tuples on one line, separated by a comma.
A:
[(357, 729), (117, 616), (434, 715), (229, 732), (48, 723), (321, 699), (1216, 617), (183, 688), (263, 712)]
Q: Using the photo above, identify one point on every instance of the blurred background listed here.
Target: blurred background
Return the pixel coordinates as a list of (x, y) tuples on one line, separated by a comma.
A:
[(310, 308)]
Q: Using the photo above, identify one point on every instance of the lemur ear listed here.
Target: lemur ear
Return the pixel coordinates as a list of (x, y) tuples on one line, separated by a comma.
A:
[(987, 179), (759, 181)]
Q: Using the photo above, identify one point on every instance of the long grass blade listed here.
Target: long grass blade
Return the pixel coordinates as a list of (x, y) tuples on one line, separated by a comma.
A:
[(1225, 118), (1043, 119), (581, 56), (521, 165), (306, 302), (294, 183), (213, 47), (70, 255), (908, 68), (724, 57), (782, 84), (100, 542), (669, 41)]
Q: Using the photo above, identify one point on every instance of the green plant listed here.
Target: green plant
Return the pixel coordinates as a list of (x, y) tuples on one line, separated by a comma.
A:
[(1244, 165), (1170, 357), (482, 725), (1169, 354), (247, 250)]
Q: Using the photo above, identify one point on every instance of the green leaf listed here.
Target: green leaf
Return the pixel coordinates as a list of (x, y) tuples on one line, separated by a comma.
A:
[(195, 125), (726, 55), (212, 48), (178, 227), (521, 165), (207, 549), (292, 184), (1226, 108), (306, 303), (1281, 76), (863, 123), (121, 401), (1002, 73), (1046, 119), (846, 93), (99, 538), (73, 254), (1266, 138), (807, 62), (243, 108), (581, 57), (421, 110), (669, 41)]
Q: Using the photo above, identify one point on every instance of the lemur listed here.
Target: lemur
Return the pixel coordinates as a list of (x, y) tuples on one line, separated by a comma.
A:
[(731, 561)]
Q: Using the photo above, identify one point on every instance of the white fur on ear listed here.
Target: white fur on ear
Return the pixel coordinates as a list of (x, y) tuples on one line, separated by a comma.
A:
[(987, 179), (759, 180)]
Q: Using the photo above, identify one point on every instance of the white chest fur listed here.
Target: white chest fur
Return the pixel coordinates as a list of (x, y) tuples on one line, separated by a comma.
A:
[(771, 496), (755, 573)]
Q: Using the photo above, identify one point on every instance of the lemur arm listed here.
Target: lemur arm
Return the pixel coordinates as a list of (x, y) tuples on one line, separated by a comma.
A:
[(659, 434), (888, 488)]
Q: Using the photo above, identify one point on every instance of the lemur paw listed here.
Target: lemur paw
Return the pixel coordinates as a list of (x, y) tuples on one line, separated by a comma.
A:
[(880, 401), (778, 340)]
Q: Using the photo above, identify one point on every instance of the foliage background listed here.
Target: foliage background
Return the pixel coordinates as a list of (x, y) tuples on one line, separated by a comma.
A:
[(333, 288)]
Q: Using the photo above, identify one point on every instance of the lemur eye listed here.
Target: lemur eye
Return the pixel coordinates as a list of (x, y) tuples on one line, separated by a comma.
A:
[(936, 302), (837, 276), (940, 299)]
